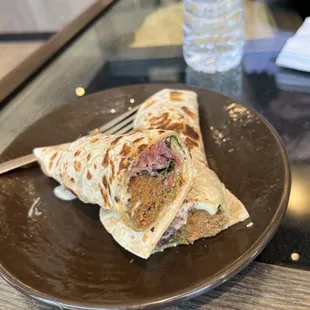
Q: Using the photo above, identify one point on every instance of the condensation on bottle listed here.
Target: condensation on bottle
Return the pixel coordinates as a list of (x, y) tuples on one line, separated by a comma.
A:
[(213, 34)]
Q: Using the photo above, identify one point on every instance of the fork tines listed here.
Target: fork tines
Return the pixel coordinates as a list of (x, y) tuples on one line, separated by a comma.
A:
[(119, 125)]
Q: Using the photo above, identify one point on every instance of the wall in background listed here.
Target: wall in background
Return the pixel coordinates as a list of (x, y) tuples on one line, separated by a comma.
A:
[(18, 16)]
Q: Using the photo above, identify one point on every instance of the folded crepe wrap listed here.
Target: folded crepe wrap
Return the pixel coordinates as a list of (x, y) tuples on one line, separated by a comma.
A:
[(209, 207), (127, 174)]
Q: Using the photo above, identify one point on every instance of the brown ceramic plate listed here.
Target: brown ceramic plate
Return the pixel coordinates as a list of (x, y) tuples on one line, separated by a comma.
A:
[(66, 258)]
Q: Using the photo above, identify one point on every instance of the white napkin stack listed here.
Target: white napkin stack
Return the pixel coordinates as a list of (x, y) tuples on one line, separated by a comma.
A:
[(296, 52)]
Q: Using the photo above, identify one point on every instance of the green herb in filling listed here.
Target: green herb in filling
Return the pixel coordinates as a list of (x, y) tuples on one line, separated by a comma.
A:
[(167, 169), (175, 140)]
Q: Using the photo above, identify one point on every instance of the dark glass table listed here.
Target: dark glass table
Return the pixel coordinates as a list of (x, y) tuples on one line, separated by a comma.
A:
[(127, 44)]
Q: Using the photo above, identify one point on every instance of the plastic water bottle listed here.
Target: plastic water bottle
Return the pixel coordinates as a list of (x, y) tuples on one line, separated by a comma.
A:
[(213, 34)]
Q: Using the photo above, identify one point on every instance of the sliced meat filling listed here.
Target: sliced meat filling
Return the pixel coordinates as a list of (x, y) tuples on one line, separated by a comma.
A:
[(152, 183), (156, 158)]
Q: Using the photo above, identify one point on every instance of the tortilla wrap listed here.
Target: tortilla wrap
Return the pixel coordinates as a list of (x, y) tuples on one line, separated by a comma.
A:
[(116, 172), (178, 110)]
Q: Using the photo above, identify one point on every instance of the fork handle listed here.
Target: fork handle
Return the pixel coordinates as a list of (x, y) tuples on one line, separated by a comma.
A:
[(16, 163)]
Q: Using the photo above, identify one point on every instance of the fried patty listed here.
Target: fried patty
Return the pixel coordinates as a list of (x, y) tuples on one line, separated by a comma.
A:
[(201, 224), (149, 194)]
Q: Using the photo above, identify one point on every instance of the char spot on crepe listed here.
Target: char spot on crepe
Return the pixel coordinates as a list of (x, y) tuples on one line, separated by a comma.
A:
[(52, 160), (105, 160), (104, 181), (149, 103), (178, 127), (89, 175), (191, 133), (77, 153), (116, 199), (103, 195), (126, 149), (160, 121), (110, 178), (189, 112), (72, 180), (124, 163), (95, 166), (141, 148), (77, 165), (94, 140), (176, 96), (114, 142), (112, 166), (88, 157), (138, 140), (190, 143)]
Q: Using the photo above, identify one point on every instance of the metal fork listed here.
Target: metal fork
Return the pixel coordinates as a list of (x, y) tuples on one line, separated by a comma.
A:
[(118, 126)]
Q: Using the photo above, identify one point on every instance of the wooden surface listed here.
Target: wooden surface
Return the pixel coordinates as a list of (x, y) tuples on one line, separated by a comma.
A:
[(13, 53), (18, 76), (259, 286), (39, 15)]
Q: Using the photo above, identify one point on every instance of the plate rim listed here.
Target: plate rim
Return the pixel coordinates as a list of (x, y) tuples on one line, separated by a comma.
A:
[(203, 286)]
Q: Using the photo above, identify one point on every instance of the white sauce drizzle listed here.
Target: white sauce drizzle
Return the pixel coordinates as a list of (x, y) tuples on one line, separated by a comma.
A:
[(211, 208), (33, 212), (63, 194)]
